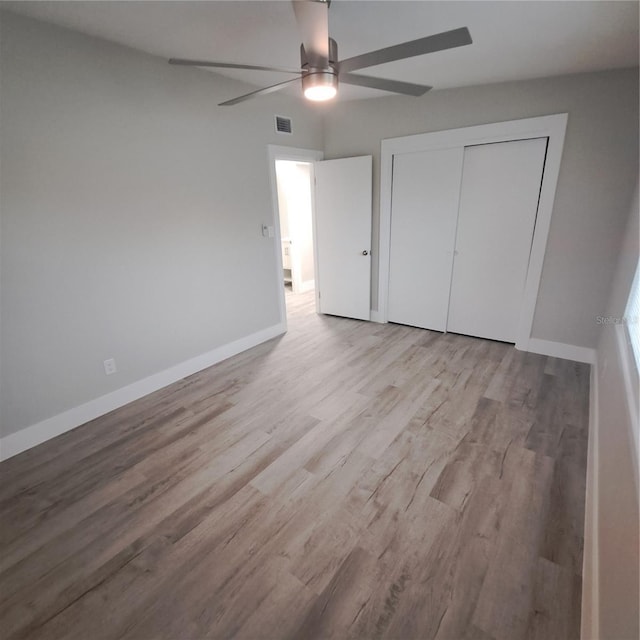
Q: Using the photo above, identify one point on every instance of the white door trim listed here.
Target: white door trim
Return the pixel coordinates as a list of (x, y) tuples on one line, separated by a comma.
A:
[(552, 127), (277, 152)]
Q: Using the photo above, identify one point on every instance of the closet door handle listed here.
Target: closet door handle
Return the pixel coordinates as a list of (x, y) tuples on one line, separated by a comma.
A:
[(365, 253)]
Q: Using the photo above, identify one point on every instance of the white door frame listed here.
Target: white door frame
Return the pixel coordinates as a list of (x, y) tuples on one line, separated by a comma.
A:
[(552, 127), (277, 152)]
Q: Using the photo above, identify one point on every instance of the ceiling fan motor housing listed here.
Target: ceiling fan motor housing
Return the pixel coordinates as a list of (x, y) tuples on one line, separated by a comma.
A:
[(331, 64), (317, 73)]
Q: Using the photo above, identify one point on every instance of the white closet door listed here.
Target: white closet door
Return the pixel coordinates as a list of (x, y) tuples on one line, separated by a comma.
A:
[(498, 207), (424, 208)]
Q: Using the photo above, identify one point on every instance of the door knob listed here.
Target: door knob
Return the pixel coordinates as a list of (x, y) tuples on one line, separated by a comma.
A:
[(365, 253)]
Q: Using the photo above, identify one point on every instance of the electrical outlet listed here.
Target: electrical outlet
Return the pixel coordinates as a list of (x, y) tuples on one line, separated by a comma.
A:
[(110, 366)]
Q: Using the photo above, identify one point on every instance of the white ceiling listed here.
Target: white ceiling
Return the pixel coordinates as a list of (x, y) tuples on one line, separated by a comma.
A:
[(511, 40)]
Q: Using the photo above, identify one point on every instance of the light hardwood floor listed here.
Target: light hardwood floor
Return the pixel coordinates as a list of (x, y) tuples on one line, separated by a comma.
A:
[(347, 480)]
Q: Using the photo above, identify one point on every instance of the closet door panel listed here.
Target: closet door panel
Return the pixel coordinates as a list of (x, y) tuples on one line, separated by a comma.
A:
[(497, 214), (424, 208)]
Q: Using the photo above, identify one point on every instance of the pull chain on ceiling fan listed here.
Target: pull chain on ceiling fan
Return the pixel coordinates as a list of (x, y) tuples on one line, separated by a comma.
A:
[(321, 71)]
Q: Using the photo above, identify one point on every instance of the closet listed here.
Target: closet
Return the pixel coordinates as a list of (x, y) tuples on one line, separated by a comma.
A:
[(462, 223)]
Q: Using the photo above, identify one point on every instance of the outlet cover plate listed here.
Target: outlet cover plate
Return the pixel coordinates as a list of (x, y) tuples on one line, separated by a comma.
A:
[(110, 366)]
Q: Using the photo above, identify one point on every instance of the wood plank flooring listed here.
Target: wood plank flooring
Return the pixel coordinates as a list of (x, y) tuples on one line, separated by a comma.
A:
[(347, 480)]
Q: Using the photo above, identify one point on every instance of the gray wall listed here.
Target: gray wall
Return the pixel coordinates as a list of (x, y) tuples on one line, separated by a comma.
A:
[(597, 176), (617, 491), (130, 216)]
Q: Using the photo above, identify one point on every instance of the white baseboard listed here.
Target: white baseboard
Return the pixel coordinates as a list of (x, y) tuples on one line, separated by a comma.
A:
[(561, 350), (35, 434), (375, 316), (590, 622)]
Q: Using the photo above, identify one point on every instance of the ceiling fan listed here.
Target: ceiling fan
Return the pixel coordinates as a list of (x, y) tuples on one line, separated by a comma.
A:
[(321, 70)]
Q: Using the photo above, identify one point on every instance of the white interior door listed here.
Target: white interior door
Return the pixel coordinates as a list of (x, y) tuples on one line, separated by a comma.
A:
[(424, 208), (343, 236), (497, 215)]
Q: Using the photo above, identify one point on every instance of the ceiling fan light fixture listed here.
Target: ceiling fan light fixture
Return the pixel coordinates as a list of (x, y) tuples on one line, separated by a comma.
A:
[(320, 86)]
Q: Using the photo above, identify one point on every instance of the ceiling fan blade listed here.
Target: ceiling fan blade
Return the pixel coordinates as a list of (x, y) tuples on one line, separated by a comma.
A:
[(228, 65), (430, 44), (396, 86), (312, 17), (258, 92)]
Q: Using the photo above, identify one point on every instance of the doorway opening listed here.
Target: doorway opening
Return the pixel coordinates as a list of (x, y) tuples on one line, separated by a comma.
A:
[(295, 212), (308, 159)]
